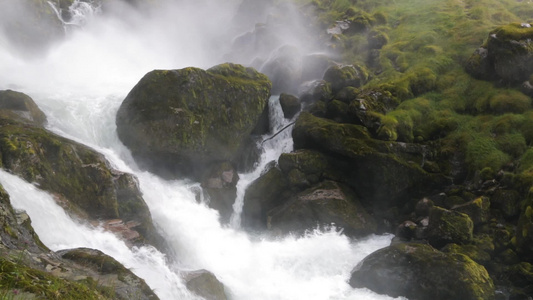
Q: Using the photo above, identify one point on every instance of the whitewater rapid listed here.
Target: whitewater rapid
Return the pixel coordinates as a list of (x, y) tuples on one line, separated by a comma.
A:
[(81, 83)]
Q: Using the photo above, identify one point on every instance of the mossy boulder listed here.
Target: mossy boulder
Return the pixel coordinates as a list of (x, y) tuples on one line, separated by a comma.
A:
[(343, 76), (262, 195), (325, 204), (205, 284), (290, 105), (110, 273), (448, 226), (506, 201), (418, 271), (178, 122), (506, 55), (478, 210), (383, 173), (220, 183), (31, 271), (20, 107), (80, 178)]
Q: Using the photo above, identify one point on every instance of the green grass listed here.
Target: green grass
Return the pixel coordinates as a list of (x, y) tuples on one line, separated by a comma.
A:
[(421, 64)]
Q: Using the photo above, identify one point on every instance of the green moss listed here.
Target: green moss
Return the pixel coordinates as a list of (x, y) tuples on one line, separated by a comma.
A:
[(513, 31), (14, 276)]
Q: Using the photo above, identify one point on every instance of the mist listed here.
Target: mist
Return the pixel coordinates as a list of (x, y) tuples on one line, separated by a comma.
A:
[(114, 45)]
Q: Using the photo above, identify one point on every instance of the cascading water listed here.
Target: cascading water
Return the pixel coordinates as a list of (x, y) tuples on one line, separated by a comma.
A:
[(80, 85)]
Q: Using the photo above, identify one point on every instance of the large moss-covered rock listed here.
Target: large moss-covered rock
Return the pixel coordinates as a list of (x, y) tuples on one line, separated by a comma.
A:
[(344, 76), (109, 273), (382, 173), (448, 226), (262, 195), (177, 122), (325, 204), (419, 272), (81, 178), (507, 54), (20, 107)]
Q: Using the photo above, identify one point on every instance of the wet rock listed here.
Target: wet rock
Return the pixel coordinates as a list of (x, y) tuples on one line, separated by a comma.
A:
[(290, 105), (382, 173), (418, 271), (478, 210), (81, 179), (448, 226), (220, 183), (423, 207), (506, 201), (178, 122), (262, 195), (109, 273), (205, 284), (20, 107), (321, 206)]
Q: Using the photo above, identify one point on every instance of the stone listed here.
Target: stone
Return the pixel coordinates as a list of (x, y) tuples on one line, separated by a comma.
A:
[(321, 206), (418, 272), (205, 284), (448, 226), (220, 183), (178, 122), (290, 105), (18, 106)]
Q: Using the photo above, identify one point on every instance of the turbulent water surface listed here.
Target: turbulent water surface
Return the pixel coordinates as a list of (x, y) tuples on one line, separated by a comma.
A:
[(80, 83)]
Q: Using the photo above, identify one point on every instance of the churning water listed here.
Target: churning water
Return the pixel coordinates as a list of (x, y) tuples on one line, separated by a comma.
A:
[(81, 82)]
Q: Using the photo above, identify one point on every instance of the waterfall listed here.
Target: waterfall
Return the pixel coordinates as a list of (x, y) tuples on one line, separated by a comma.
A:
[(81, 83)]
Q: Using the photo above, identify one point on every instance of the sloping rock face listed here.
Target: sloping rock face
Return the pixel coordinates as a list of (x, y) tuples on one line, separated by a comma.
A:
[(80, 178), (418, 271), (507, 54), (108, 272), (20, 107), (178, 122), (384, 175), (31, 271)]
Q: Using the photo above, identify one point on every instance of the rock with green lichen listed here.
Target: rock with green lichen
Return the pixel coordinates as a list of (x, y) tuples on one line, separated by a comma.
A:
[(382, 173), (178, 122), (340, 77), (80, 178), (325, 204), (111, 274), (418, 271), (476, 253), (262, 195), (448, 226), (478, 210), (20, 107), (506, 55), (33, 271)]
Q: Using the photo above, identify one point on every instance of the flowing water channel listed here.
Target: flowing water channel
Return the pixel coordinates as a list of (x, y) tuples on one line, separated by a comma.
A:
[(81, 82)]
